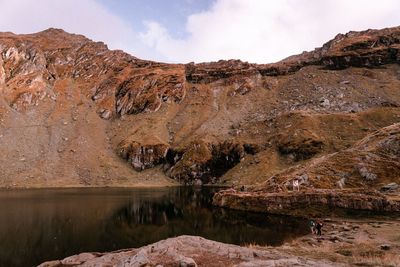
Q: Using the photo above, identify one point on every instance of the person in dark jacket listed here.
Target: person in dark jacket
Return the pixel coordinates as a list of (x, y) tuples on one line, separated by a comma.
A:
[(318, 226)]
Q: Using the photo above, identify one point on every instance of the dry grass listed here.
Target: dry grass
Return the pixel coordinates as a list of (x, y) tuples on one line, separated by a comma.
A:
[(358, 255), (387, 260), (251, 245)]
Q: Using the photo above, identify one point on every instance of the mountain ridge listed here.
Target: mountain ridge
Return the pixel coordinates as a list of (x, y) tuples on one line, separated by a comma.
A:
[(223, 122)]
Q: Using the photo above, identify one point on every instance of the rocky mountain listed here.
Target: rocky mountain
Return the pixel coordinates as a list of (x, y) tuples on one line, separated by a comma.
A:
[(73, 113)]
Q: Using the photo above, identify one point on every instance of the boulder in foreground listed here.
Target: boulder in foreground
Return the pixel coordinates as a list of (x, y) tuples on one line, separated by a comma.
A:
[(189, 251)]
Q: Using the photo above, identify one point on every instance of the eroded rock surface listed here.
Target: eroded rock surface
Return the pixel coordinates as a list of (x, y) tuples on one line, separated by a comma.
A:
[(143, 155), (370, 163), (146, 92), (203, 161), (190, 251), (315, 202)]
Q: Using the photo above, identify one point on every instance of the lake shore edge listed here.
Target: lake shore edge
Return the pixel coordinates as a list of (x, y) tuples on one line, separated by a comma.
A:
[(344, 242)]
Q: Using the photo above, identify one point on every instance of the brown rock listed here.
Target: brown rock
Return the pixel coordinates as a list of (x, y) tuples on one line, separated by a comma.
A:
[(299, 203)]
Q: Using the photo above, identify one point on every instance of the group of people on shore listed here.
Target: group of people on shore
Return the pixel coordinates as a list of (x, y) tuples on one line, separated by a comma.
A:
[(315, 227)]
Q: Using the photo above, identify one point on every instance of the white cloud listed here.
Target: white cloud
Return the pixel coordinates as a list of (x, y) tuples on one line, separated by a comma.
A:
[(252, 30), (76, 16), (266, 31)]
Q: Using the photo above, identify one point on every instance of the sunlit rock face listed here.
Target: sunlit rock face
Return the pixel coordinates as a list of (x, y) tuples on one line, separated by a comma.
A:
[(73, 112), (146, 92)]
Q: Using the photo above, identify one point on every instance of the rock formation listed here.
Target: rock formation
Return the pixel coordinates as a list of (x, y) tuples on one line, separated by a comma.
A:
[(73, 113), (315, 203), (143, 155), (188, 251)]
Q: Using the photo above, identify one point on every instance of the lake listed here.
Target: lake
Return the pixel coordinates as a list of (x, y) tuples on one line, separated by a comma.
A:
[(38, 225)]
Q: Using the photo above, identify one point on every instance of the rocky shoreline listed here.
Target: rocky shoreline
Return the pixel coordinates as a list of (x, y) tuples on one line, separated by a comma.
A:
[(304, 203), (344, 242), (188, 251)]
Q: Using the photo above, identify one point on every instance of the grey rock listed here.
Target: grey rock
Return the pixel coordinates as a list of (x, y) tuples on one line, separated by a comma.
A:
[(106, 114), (325, 103), (355, 107), (187, 262), (78, 259), (139, 260), (341, 183), (366, 174), (303, 179), (390, 187), (385, 247)]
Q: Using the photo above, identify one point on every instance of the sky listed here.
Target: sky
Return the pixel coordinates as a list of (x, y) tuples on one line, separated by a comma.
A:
[(259, 31)]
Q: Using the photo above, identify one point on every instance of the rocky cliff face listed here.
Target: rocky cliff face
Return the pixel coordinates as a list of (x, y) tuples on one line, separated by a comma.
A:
[(74, 113), (311, 203)]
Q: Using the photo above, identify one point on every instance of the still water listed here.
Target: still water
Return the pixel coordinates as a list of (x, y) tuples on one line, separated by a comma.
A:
[(46, 224)]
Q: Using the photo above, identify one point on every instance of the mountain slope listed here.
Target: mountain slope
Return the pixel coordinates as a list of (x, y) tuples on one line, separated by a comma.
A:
[(73, 113)]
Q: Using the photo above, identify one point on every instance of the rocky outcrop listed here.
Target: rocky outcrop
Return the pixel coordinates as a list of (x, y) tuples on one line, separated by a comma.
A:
[(143, 155), (196, 163), (300, 144), (391, 187), (27, 100), (211, 72), (202, 162), (371, 48), (372, 162), (146, 92), (315, 202), (190, 251)]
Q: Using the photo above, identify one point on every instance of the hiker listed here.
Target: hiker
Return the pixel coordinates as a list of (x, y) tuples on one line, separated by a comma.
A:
[(318, 226), (311, 224), (296, 185)]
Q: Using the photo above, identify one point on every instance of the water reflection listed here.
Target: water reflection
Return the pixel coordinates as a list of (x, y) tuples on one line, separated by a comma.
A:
[(39, 225)]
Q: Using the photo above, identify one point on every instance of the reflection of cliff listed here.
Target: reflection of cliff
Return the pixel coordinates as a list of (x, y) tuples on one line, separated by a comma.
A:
[(41, 225), (262, 229), (188, 211), (148, 213), (172, 206)]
